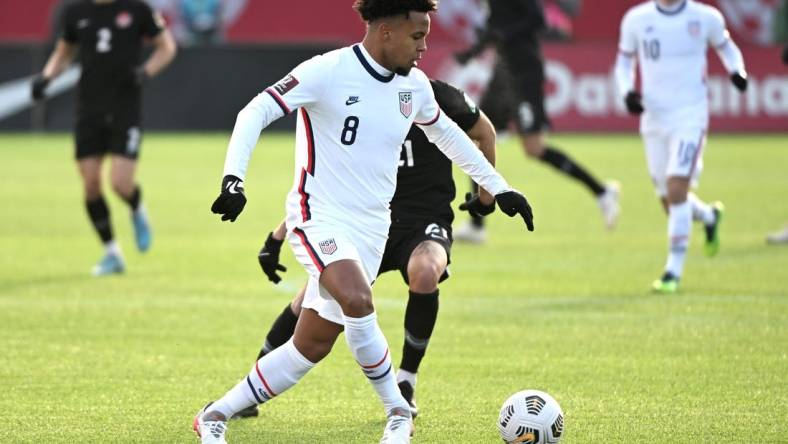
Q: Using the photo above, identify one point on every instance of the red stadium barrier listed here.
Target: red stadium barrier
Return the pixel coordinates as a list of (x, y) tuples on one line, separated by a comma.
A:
[(581, 90)]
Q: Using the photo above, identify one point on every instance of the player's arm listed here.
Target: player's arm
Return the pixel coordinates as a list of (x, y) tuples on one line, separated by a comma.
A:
[(483, 134), (626, 60), (58, 61), (164, 50), (268, 257), (727, 51), (461, 150), (302, 87)]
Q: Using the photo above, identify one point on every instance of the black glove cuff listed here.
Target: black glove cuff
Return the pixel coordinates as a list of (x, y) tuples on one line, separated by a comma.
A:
[(271, 244)]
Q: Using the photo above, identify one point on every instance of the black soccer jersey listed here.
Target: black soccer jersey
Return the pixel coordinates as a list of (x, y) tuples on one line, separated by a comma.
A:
[(425, 187), (110, 37), (519, 23)]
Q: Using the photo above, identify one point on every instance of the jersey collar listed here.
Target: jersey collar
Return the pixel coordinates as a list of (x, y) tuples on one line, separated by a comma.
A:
[(671, 11), (373, 68)]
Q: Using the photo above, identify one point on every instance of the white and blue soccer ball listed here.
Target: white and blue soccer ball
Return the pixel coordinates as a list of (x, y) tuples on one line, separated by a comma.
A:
[(531, 417)]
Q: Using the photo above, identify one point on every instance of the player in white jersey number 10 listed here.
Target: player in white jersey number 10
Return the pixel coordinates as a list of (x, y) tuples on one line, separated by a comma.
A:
[(355, 107), (669, 40)]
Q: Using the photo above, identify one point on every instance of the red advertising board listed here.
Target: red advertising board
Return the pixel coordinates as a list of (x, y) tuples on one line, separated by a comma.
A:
[(581, 92)]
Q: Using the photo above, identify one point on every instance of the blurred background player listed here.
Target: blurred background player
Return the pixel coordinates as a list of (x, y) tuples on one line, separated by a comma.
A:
[(516, 95), (109, 36), (420, 237), (669, 40), (356, 106)]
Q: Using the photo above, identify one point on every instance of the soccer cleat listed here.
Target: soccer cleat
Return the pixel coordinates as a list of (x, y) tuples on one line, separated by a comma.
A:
[(712, 246), (142, 231), (470, 233), (608, 204), (399, 429), (667, 284), (249, 412), (778, 237), (109, 264), (407, 392), (209, 431)]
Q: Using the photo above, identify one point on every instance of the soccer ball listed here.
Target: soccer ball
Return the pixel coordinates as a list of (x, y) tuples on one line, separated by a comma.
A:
[(531, 417)]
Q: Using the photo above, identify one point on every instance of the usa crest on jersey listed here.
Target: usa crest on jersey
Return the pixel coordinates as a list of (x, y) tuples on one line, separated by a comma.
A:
[(328, 246), (693, 27), (406, 103)]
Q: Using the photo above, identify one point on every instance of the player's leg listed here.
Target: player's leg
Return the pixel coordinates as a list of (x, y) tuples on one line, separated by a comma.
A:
[(280, 332), (684, 153), (274, 373), (125, 147), (426, 267), (284, 325), (347, 283), (532, 121), (99, 214)]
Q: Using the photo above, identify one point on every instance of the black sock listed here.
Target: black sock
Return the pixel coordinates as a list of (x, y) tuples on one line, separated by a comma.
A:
[(476, 221), (134, 199), (562, 162), (420, 317), (280, 332), (99, 216)]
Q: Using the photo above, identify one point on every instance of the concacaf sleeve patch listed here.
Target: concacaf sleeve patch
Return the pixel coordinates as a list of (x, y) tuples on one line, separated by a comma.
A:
[(158, 19), (286, 84)]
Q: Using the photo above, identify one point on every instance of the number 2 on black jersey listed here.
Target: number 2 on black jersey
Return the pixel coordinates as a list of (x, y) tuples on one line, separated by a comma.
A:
[(103, 42)]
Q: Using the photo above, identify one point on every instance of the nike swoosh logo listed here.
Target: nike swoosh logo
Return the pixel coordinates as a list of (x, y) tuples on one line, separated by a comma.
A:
[(351, 101), (232, 188)]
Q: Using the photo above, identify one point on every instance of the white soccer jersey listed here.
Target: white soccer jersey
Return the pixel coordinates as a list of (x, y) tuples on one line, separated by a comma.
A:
[(671, 48), (353, 117)]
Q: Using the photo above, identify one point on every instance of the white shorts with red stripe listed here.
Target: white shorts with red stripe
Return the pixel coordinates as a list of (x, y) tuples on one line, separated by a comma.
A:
[(317, 244), (676, 152)]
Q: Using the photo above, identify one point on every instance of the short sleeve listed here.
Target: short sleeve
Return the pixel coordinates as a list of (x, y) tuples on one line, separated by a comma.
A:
[(429, 110), (303, 86), (151, 21), (628, 40), (456, 104), (68, 26), (715, 22)]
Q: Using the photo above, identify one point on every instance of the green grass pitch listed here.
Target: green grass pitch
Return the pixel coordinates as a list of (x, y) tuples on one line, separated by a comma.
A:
[(565, 309)]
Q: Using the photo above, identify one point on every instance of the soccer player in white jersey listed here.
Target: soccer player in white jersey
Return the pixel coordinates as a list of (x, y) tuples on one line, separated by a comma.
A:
[(355, 107), (669, 40)]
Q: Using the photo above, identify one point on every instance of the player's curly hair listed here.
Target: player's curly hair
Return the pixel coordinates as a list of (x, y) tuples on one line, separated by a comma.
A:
[(371, 10)]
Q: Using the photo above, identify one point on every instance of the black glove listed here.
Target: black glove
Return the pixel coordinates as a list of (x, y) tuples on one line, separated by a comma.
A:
[(269, 258), (634, 103), (512, 202), (475, 207), (38, 86), (140, 75), (231, 200), (739, 81)]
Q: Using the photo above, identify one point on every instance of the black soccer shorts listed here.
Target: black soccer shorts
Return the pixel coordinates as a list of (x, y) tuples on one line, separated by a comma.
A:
[(100, 133), (515, 96), (405, 237)]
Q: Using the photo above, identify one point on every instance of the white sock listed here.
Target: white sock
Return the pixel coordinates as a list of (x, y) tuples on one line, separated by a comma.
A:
[(112, 248), (701, 210), (369, 347), (404, 375), (271, 375), (679, 228)]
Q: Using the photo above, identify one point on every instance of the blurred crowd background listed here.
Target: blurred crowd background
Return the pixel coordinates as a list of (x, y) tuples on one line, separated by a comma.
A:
[(232, 49)]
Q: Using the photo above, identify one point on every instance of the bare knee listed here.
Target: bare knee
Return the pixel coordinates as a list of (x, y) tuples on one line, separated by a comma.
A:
[(678, 189), (357, 302), (92, 188), (423, 276), (313, 349), (122, 187)]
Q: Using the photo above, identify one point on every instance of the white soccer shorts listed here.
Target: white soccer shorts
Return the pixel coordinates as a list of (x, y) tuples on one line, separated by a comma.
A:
[(318, 244), (674, 153)]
